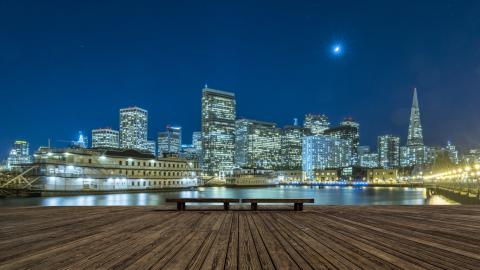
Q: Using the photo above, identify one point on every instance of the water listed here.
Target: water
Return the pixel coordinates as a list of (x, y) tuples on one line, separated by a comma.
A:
[(322, 195)]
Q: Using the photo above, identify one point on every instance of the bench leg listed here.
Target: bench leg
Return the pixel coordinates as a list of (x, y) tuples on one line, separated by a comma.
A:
[(298, 206), (254, 206), (180, 206), (226, 206)]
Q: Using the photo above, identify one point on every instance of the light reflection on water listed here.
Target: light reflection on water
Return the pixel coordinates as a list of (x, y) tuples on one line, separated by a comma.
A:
[(322, 195)]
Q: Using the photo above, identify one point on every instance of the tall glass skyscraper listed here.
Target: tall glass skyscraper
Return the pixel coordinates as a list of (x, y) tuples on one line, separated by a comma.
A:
[(388, 151), (348, 130), (133, 128), (257, 144), (105, 138), (415, 147), (317, 123), (291, 145), (218, 131), (197, 142), (322, 152), (170, 140)]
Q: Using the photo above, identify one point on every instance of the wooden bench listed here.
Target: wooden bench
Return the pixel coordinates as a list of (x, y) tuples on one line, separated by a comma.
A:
[(181, 201), (297, 203)]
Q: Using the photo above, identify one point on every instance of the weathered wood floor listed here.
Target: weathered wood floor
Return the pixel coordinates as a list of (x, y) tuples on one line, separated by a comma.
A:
[(328, 237)]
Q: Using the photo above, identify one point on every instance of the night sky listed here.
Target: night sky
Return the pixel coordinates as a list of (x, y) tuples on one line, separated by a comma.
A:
[(67, 66)]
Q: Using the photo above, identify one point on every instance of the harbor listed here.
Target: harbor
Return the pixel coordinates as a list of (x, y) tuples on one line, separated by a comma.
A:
[(206, 237)]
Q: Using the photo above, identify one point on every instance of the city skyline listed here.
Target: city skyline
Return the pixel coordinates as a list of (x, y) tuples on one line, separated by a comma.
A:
[(122, 67)]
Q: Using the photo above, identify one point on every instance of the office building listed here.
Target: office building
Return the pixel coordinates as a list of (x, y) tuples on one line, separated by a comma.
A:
[(19, 154), (105, 138), (322, 152), (133, 128), (170, 140), (218, 132), (151, 147), (291, 146), (197, 142), (368, 160), (452, 152), (388, 147), (348, 130), (317, 123), (257, 144)]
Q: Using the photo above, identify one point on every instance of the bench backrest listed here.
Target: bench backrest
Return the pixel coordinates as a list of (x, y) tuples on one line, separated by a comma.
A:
[(286, 200), (206, 200)]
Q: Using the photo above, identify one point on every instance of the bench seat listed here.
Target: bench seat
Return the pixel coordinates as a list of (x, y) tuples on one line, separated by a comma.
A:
[(182, 201), (297, 203)]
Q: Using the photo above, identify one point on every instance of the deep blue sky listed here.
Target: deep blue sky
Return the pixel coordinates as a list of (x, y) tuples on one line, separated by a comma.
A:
[(70, 65)]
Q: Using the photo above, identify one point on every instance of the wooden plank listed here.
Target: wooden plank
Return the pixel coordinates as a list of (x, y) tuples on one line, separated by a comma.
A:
[(247, 253), (231, 259)]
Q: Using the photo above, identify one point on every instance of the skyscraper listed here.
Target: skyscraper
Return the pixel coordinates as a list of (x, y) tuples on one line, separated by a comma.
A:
[(452, 152), (257, 144), (151, 147), (133, 128), (105, 138), (348, 130), (170, 140), (388, 151), (322, 152), (317, 123), (197, 142), (20, 154), (291, 146), (415, 146), (218, 131)]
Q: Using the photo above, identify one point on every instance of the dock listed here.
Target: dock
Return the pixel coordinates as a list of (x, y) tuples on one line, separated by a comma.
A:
[(206, 237)]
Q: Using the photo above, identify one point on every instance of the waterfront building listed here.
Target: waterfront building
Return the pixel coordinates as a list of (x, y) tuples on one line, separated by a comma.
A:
[(78, 169), (348, 130), (388, 151), (291, 146), (19, 154), (257, 144), (317, 123), (170, 140), (289, 175), (452, 152), (325, 175), (218, 132), (133, 128), (105, 138), (322, 152), (151, 147), (382, 176), (416, 150), (197, 142)]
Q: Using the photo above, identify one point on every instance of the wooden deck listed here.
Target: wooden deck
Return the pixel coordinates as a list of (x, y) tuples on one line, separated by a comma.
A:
[(328, 237)]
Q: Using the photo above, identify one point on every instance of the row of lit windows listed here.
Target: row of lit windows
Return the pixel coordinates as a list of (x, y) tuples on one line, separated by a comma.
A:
[(153, 173), (149, 183), (149, 164)]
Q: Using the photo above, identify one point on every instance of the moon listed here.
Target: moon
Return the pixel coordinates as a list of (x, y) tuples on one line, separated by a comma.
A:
[(337, 49)]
